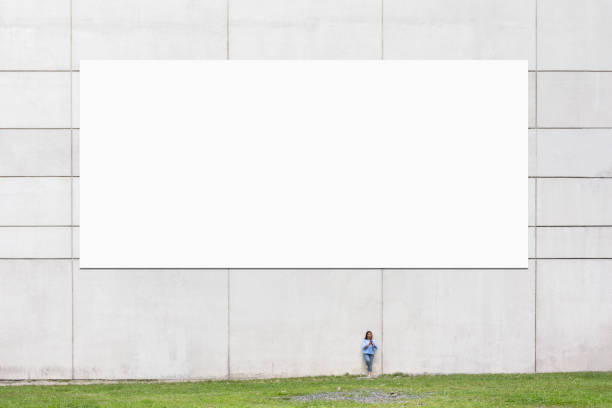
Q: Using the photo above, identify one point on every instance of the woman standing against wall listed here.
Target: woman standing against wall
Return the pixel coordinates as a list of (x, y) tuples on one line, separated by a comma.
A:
[(369, 347)]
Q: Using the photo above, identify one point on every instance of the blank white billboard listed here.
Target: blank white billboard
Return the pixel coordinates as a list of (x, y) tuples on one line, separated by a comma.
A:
[(303, 164)]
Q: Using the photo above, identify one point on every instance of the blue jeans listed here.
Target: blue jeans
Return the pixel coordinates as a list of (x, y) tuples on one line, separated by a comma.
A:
[(369, 359)]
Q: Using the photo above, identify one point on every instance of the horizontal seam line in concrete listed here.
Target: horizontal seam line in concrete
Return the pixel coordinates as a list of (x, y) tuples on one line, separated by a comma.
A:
[(39, 176), (38, 259), (572, 70), (529, 177), (575, 226), (67, 71), (224, 59), (38, 226), (528, 128), (570, 128), (529, 226), (574, 258), (304, 269), (285, 269), (570, 177)]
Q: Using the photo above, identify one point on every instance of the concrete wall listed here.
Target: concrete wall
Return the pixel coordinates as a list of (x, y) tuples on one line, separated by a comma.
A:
[(301, 322), (59, 322), (458, 321), (150, 323)]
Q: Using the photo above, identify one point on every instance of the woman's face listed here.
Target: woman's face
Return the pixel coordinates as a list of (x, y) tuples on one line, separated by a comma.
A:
[(369, 335)]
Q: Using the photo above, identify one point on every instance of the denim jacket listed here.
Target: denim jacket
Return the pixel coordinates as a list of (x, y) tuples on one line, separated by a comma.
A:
[(366, 348)]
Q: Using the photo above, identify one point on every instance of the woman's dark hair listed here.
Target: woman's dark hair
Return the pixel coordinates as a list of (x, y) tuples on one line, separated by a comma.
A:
[(366, 336)]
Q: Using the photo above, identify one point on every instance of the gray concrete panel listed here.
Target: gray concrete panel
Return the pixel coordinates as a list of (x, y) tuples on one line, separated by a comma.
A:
[(574, 303), (460, 29), (34, 201), (148, 29), (35, 242), (36, 319), (35, 152), (459, 321), (150, 323), (35, 34), (574, 153), (305, 29), (575, 242), (574, 35), (287, 323), (574, 99), (579, 202), (34, 99)]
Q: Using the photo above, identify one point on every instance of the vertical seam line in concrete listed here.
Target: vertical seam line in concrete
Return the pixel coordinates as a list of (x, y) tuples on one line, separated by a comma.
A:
[(382, 321), (227, 28), (228, 324), (535, 270), (71, 213), (382, 301), (535, 203), (382, 31), (227, 56)]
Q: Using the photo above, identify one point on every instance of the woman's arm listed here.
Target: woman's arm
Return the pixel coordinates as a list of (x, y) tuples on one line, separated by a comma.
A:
[(365, 344)]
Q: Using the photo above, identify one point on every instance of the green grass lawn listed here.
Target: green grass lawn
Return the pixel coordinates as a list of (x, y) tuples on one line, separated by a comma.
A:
[(524, 390)]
